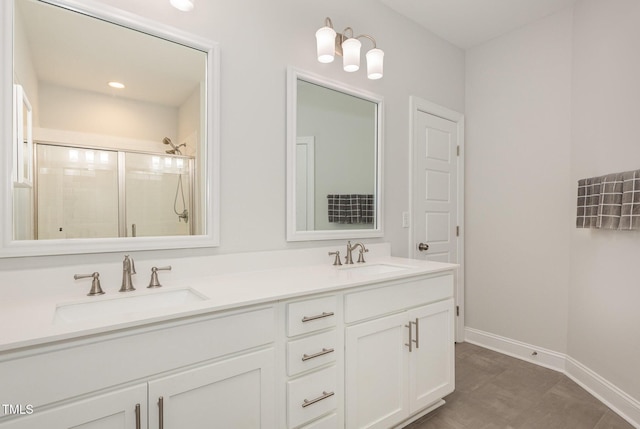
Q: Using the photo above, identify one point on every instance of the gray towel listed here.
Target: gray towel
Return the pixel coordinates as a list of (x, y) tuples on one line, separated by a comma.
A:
[(350, 208), (609, 202), (630, 216)]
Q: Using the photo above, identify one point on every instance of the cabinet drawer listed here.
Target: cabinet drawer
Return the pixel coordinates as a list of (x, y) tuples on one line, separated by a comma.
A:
[(329, 422), (311, 352), (311, 315), (397, 297), (318, 390)]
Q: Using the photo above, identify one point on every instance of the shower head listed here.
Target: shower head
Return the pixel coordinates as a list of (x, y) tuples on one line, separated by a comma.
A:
[(175, 150)]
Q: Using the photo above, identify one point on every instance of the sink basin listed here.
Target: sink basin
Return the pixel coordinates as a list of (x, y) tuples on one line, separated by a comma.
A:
[(98, 309), (372, 269)]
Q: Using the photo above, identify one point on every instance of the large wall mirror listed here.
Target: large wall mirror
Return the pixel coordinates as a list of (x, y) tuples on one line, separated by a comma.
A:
[(122, 131), (334, 160)]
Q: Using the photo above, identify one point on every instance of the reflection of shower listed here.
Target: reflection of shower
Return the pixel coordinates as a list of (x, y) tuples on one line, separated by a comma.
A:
[(179, 190), (175, 150)]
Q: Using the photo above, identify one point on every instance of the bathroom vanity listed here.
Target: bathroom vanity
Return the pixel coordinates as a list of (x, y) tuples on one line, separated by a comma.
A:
[(314, 346)]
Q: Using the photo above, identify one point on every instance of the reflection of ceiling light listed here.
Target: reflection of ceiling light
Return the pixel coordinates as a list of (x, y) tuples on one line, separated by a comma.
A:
[(183, 5), (116, 85)]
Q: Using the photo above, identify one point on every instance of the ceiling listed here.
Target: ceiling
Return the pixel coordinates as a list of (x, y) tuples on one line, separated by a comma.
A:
[(468, 23), (76, 51)]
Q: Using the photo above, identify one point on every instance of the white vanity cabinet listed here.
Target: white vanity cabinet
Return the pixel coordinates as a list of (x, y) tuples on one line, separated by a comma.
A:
[(314, 362), (399, 356), (210, 371), (122, 409)]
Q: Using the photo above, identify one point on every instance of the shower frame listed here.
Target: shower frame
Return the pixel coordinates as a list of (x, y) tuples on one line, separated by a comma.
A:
[(121, 172)]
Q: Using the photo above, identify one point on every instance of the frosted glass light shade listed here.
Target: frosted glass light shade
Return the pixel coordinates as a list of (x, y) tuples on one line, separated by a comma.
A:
[(351, 55), (183, 5), (326, 41), (375, 63)]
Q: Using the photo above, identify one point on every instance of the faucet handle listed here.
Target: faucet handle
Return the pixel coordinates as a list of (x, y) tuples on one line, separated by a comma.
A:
[(96, 289), (154, 276), (337, 259), (361, 255)]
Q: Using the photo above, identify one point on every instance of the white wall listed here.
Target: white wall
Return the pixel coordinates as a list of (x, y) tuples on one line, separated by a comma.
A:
[(547, 105), (69, 109), (518, 201), (604, 288), (258, 40)]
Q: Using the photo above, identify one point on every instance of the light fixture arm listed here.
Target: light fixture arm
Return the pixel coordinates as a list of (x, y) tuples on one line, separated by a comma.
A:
[(366, 36)]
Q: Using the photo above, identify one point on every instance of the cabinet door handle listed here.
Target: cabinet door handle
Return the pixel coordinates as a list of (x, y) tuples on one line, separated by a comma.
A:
[(315, 355), (319, 316), (325, 395), (161, 412), (417, 340), (410, 343), (138, 416)]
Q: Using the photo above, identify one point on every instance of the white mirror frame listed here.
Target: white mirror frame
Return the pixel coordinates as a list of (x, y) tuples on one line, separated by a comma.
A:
[(293, 75), (210, 160)]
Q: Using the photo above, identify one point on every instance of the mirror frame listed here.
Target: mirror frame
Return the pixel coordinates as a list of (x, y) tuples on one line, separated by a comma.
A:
[(293, 75), (210, 162)]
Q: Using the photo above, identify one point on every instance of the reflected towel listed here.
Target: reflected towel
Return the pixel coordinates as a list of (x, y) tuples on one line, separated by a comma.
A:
[(350, 208)]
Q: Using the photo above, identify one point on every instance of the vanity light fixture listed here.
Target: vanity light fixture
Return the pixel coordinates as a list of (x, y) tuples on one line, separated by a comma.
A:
[(116, 85), (330, 44), (183, 5)]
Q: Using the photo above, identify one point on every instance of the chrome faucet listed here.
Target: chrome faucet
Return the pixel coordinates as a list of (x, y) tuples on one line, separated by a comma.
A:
[(349, 258), (128, 268)]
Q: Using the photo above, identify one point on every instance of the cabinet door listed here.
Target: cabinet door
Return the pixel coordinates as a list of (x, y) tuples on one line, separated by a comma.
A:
[(234, 393), (432, 362), (376, 373), (122, 409)]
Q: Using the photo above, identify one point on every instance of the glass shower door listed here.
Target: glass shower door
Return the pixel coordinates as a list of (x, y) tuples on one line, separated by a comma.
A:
[(157, 195), (77, 193)]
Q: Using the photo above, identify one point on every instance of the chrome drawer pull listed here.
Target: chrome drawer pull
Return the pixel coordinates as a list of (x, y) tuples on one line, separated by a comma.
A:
[(138, 417), (315, 355), (410, 343), (319, 316), (325, 395), (417, 340)]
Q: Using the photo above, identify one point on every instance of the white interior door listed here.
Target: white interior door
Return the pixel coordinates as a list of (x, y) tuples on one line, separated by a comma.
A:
[(305, 184), (436, 228)]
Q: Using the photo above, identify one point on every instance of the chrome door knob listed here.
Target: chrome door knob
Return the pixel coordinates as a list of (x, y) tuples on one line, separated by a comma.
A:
[(423, 247)]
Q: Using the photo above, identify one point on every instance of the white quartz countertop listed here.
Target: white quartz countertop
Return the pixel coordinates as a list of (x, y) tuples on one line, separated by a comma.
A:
[(28, 319)]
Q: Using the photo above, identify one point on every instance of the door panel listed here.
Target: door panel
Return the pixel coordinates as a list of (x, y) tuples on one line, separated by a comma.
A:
[(376, 373), (431, 367), (435, 195)]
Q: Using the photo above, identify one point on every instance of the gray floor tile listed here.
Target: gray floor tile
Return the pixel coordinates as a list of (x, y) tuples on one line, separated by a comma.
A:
[(494, 391)]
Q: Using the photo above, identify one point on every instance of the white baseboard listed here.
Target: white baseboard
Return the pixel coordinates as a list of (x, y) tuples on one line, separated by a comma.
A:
[(623, 404)]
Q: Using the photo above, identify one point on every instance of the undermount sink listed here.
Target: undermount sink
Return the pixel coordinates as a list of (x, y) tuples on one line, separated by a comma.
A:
[(100, 308), (372, 269)]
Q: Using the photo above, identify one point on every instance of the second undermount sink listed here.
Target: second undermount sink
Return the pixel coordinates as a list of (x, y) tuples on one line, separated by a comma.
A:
[(101, 308), (372, 269)]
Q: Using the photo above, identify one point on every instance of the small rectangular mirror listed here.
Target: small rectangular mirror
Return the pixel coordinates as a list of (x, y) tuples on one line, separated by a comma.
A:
[(334, 166)]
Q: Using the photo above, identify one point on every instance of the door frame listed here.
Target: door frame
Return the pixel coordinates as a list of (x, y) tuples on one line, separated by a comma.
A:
[(417, 105)]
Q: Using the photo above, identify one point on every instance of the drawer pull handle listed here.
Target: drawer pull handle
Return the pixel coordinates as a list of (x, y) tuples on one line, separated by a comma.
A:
[(319, 316), (417, 340), (410, 343), (138, 417), (161, 413), (325, 395), (315, 355)]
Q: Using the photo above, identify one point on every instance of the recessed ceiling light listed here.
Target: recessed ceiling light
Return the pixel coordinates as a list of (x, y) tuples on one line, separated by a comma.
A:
[(117, 85), (183, 5)]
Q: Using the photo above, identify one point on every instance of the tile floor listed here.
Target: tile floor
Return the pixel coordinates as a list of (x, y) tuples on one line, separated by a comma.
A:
[(494, 391)]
